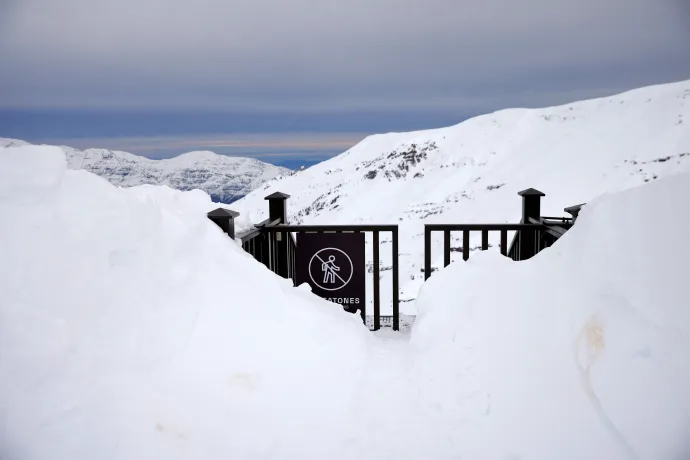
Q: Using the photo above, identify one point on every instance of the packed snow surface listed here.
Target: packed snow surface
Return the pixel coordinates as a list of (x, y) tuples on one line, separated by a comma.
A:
[(472, 172), (132, 328), (223, 177)]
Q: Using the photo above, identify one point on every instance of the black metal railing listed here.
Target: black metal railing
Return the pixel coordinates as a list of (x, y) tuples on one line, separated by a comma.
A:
[(524, 230), (272, 230), (276, 250), (272, 242), (533, 234)]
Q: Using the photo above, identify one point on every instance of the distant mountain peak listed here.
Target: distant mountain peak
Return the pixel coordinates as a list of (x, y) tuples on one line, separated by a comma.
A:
[(223, 177)]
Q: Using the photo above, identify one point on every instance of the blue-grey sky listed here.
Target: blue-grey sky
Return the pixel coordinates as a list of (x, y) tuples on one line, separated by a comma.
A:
[(326, 66)]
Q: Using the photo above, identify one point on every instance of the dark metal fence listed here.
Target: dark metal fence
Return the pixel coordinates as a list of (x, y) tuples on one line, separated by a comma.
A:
[(513, 252), (276, 250), (272, 242), (533, 234), (272, 230)]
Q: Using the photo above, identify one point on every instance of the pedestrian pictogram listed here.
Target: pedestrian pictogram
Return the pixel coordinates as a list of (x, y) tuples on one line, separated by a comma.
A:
[(330, 269)]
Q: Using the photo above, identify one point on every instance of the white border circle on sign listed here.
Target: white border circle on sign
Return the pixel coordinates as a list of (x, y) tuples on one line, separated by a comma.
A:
[(352, 268)]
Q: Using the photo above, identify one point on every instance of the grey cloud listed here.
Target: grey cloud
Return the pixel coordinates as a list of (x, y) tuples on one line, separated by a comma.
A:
[(328, 54)]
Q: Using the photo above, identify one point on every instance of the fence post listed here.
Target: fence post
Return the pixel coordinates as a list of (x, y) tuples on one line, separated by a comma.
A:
[(531, 208), (277, 209), (225, 219)]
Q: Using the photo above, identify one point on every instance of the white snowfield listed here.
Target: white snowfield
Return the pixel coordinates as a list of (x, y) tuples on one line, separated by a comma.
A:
[(472, 172), (132, 328), (225, 178)]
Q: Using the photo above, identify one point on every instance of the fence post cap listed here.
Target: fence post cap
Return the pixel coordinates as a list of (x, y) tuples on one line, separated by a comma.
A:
[(531, 192), (277, 196), (575, 209), (222, 212)]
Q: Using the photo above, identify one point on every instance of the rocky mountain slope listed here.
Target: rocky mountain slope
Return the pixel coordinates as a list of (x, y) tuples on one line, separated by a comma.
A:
[(223, 177), (472, 172)]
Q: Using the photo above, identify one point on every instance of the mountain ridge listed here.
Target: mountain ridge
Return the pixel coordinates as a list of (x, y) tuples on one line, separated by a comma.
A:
[(471, 172), (223, 177)]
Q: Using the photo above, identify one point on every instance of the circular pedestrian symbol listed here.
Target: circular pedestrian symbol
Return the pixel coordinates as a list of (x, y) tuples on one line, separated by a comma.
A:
[(330, 269)]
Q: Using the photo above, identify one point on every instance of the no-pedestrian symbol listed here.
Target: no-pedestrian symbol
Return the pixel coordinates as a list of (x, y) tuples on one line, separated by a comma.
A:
[(330, 269), (333, 265)]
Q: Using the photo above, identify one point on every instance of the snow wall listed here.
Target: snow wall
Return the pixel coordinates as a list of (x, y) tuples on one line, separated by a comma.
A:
[(132, 328)]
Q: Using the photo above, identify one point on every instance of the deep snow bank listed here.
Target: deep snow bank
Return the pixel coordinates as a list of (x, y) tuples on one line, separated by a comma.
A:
[(582, 352), (132, 328)]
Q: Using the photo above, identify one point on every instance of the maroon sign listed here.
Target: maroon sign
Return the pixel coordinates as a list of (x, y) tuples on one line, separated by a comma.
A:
[(333, 265)]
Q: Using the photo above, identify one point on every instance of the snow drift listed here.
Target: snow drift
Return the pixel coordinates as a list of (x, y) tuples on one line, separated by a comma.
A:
[(580, 352), (132, 328)]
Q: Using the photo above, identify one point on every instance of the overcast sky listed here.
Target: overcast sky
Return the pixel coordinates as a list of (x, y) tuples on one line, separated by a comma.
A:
[(326, 66), (334, 54)]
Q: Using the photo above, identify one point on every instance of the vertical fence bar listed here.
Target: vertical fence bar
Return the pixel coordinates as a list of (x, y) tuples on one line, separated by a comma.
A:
[(288, 262), (518, 242), (427, 253), (277, 262), (396, 290), (446, 248), (377, 284), (293, 262), (294, 259), (465, 244), (281, 246), (485, 240), (267, 243), (504, 242), (264, 256), (274, 254)]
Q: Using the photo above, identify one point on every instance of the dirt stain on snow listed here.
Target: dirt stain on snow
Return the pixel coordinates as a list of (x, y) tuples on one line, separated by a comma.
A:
[(595, 338), (591, 342)]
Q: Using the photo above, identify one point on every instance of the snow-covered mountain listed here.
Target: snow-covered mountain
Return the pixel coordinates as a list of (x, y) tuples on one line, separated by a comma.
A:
[(223, 177), (472, 172)]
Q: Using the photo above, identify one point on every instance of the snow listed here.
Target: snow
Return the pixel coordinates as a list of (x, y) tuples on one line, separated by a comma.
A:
[(223, 177), (585, 345), (472, 172), (132, 328)]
